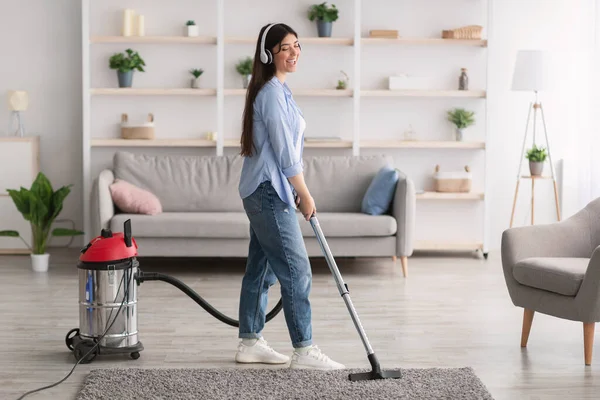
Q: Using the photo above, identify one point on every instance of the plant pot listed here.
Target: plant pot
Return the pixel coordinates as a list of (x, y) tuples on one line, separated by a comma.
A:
[(246, 80), (459, 134), (39, 262), (324, 28), (193, 30), (125, 78), (195, 83), (536, 168)]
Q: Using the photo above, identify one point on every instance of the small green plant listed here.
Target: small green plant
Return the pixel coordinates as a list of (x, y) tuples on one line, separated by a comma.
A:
[(322, 12), (244, 66), (461, 117), (40, 205), (196, 72), (130, 60), (190, 23), (343, 83), (536, 154)]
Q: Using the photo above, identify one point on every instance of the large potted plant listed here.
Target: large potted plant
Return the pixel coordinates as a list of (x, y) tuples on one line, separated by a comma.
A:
[(461, 119), (536, 156), (244, 68), (325, 17), (40, 205), (125, 64)]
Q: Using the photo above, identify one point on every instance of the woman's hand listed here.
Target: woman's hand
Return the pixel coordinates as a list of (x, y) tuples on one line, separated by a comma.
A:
[(307, 206)]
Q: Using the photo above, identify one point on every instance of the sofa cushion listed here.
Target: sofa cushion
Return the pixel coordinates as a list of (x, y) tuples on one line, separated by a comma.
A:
[(379, 195), (184, 183), (229, 225), (132, 199), (339, 183), (562, 275), (350, 225)]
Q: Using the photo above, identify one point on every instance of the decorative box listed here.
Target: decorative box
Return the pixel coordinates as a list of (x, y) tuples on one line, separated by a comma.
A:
[(137, 131), (453, 181)]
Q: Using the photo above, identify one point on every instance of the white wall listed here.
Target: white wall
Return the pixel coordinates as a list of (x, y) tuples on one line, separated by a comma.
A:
[(46, 61)]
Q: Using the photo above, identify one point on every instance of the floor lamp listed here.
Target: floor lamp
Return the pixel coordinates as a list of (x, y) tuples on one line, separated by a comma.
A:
[(531, 74)]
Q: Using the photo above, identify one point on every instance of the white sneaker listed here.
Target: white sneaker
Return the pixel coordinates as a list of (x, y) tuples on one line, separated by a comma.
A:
[(260, 352), (313, 359)]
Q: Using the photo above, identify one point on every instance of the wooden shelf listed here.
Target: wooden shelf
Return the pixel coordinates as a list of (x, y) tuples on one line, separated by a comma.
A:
[(463, 246), (421, 144), (303, 40), (340, 144), (450, 196), (155, 39), (535, 177), (425, 41), (153, 92), (423, 93), (153, 143), (300, 92)]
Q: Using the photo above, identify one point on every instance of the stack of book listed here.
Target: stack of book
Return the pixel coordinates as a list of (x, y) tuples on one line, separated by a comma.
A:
[(384, 33)]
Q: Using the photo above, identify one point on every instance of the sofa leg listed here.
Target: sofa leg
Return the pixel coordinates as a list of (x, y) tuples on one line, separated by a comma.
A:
[(404, 261), (527, 320), (588, 341), (394, 258)]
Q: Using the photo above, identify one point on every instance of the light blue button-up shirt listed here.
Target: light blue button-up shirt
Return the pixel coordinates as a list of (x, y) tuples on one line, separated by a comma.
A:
[(278, 137)]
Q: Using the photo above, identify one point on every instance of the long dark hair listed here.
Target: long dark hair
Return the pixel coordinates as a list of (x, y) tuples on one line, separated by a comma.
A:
[(261, 74)]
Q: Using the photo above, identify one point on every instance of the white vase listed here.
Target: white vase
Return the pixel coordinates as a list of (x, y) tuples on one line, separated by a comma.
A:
[(39, 262), (192, 30)]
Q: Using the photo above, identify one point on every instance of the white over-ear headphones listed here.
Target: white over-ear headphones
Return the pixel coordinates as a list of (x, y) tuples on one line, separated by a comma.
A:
[(265, 55)]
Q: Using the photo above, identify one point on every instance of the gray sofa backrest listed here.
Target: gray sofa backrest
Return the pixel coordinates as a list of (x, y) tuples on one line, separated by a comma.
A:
[(185, 183), (210, 183), (338, 183)]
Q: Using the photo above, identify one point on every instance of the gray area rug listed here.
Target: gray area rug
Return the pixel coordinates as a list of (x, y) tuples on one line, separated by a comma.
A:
[(241, 384)]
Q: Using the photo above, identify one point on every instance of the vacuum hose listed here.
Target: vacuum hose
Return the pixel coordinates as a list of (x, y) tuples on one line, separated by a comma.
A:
[(155, 276)]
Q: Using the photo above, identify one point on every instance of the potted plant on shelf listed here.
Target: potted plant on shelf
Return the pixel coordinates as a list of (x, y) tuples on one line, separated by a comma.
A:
[(125, 64), (196, 79), (462, 119), (536, 156), (244, 68), (40, 205), (192, 28), (343, 81), (325, 16)]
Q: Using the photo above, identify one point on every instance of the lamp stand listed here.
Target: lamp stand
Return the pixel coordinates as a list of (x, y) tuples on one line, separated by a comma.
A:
[(20, 130), (535, 106)]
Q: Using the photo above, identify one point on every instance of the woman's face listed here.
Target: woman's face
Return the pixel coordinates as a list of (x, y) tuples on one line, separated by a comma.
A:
[(287, 58)]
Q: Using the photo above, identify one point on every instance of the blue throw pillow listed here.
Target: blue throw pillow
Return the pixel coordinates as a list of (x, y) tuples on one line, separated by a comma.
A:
[(380, 193)]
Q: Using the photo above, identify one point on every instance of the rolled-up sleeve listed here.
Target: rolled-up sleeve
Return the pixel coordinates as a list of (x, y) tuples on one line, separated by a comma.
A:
[(274, 112)]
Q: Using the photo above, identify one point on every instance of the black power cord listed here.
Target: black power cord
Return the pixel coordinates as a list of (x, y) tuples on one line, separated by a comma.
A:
[(125, 299)]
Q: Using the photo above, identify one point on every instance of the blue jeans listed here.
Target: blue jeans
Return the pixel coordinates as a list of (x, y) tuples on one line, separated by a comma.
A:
[(276, 252)]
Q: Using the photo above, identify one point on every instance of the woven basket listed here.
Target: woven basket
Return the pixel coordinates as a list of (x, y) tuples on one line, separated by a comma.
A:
[(139, 131), (452, 182), (465, 32)]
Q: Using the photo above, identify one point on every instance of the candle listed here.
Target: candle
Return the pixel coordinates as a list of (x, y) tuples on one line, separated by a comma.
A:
[(140, 25), (127, 22)]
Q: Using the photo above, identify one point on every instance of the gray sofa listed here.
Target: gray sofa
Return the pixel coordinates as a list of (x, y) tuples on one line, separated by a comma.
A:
[(203, 214)]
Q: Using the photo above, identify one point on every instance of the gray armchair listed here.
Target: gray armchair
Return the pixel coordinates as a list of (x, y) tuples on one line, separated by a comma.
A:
[(554, 269)]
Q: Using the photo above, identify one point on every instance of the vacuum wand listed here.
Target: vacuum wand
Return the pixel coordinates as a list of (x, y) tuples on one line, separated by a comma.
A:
[(376, 372)]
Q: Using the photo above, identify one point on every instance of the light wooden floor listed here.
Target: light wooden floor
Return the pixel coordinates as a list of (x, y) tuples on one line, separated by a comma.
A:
[(452, 311)]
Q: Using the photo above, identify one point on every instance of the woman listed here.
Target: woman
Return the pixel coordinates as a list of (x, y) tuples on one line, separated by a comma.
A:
[(272, 187)]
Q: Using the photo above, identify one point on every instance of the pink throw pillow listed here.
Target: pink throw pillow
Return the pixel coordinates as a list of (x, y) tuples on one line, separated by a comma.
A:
[(132, 199)]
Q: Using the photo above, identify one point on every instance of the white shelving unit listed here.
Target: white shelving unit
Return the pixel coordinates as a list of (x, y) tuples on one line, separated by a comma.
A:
[(220, 92)]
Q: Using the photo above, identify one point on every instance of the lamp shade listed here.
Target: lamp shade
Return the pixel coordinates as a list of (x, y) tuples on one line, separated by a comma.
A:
[(18, 100), (531, 72)]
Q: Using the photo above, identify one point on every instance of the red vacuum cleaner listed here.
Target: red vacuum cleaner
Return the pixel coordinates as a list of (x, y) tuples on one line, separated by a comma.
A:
[(108, 275)]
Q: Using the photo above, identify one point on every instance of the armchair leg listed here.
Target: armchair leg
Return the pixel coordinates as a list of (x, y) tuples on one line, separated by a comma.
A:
[(394, 258), (527, 320), (588, 341), (404, 261)]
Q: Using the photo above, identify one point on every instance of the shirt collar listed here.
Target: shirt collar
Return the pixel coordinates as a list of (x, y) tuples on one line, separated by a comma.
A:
[(284, 85)]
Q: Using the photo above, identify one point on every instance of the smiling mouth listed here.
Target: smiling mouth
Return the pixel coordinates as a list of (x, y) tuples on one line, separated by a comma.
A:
[(293, 62)]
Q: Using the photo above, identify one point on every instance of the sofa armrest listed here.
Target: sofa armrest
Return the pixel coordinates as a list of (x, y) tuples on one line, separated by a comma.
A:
[(588, 296), (102, 207), (404, 210)]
